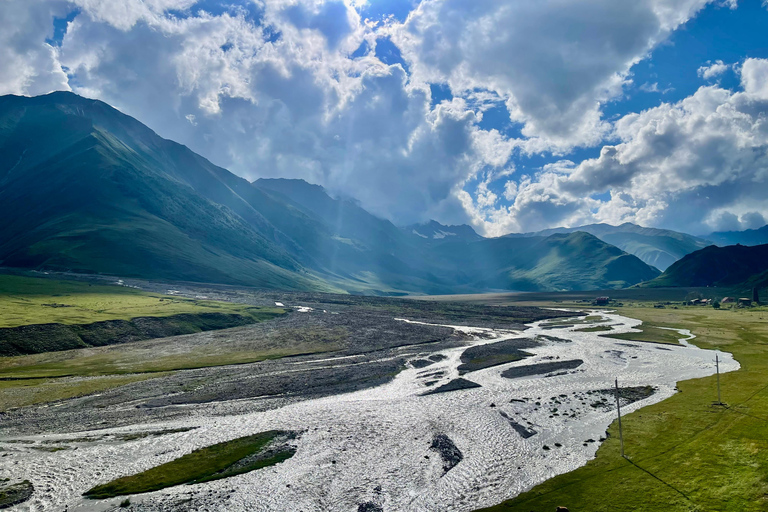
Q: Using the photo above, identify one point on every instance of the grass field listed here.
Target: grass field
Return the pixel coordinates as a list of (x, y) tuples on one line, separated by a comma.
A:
[(685, 453), (221, 460), (50, 376), (28, 300)]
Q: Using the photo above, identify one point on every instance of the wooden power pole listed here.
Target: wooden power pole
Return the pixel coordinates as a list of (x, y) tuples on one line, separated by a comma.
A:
[(717, 366), (618, 408)]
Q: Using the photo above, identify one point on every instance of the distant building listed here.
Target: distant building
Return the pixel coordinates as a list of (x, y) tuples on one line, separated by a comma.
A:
[(744, 301), (727, 300), (601, 301)]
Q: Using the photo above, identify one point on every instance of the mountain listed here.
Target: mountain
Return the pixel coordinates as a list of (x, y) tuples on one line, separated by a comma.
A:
[(455, 259), (86, 188), (657, 247), (563, 261), (748, 237), (734, 266), (433, 230)]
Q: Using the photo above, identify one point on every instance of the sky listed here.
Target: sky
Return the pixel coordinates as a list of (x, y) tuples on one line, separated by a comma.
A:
[(510, 116)]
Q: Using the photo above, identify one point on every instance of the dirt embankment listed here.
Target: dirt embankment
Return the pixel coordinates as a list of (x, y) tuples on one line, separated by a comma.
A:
[(38, 338)]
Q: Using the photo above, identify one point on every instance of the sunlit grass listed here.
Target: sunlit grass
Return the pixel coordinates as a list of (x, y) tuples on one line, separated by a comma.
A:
[(27, 301), (685, 454)]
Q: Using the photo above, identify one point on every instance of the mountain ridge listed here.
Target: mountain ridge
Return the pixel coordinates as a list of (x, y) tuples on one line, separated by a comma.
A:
[(84, 187), (655, 246), (735, 266)]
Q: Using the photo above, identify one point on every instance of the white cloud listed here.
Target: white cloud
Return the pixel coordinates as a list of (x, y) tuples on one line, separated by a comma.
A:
[(29, 65), (696, 165), (712, 70), (555, 61)]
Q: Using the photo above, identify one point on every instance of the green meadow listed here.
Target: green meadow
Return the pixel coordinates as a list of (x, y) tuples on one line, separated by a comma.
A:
[(686, 453), (29, 300)]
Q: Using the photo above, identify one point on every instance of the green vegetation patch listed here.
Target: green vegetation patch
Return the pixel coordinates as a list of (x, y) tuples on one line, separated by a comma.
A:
[(36, 339), (30, 301), (21, 393), (214, 462), (650, 333), (596, 328), (14, 493)]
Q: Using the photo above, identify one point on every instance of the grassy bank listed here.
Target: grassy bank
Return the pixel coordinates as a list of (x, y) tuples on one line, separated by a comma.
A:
[(650, 333), (685, 454), (63, 327), (210, 463), (28, 301), (20, 393)]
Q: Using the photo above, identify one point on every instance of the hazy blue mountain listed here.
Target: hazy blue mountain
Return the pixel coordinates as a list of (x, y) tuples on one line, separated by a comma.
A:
[(453, 259), (657, 247), (433, 230), (748, 237), (733, 266), (562, 261), (86, 188)]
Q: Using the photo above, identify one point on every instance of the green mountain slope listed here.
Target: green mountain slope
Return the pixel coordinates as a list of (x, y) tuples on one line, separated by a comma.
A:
[(563, 261), (733, 266), (454, 259), (659, 248), (86, 188)]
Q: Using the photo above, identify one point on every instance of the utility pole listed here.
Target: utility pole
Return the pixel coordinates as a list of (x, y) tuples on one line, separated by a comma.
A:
[(618, 408), (717, 366)]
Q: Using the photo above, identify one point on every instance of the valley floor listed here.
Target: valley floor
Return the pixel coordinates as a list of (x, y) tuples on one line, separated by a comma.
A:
[(369, 438)]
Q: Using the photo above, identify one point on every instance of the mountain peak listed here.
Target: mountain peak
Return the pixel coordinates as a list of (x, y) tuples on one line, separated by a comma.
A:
[(436, 231)]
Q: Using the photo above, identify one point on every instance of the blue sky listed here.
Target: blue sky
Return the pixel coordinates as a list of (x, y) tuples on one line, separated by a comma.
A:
[(509, 116)]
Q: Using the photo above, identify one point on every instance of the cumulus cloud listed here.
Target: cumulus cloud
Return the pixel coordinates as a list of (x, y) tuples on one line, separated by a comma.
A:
[(555, 62), (28, 64), (712, 70), (700, 164)]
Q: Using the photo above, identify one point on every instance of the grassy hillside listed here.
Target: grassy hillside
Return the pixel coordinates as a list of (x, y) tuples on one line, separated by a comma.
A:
[(575, 261), (735, 266), (659, 248), (88, 189), (684, 454)]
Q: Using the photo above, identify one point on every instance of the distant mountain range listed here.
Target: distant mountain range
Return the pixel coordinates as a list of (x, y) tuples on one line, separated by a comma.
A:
[(656, 247), (748, 237), (738, 267), (86, 188)]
